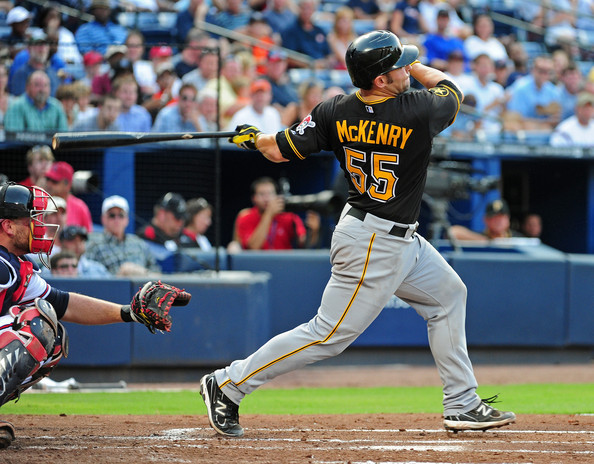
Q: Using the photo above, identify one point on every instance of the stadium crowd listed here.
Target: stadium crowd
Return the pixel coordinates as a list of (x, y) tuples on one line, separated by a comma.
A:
[(141, 65)]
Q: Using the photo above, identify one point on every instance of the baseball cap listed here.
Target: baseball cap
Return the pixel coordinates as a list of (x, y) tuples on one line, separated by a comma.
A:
[(160, 51), (500, 64), (71, 232), (92, 57), (115, 201), (584, 98), (497, 207), (100, 4), (277, 55), (456, 55), (37, 37), (59, 202), (175, 203), (165, 67), (442, 12), (257, 17), (59, 171), (260, 84), (113, 49), (18, 14)]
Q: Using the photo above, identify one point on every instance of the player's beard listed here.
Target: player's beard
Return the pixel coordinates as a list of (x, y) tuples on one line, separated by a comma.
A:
[(21, 240), (405, 85)]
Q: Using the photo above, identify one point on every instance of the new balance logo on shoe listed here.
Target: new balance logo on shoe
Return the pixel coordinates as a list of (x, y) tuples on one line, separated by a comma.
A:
[(483, 417), (223, 414)]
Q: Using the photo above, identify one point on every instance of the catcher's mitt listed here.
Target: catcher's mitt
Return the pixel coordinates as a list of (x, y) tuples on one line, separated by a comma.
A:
[(151, 304)]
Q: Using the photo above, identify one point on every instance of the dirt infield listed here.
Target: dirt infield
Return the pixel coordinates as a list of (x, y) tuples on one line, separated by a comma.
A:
[(379, 438)]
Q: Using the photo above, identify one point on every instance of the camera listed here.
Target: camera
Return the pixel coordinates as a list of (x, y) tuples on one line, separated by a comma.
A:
[(84, 182), (453, 180), (324, 202)]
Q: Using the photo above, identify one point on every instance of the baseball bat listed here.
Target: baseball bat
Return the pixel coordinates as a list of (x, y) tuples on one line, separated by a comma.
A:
[(100, 139)]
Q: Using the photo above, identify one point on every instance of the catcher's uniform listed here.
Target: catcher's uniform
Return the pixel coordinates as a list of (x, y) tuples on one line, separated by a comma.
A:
[(383, 147)]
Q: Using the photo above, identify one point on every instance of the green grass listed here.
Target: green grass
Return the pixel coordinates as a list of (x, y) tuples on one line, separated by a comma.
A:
[(522, 399)]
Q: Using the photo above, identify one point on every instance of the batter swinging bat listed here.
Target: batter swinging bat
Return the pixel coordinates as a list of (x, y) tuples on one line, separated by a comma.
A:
[(99, 139)]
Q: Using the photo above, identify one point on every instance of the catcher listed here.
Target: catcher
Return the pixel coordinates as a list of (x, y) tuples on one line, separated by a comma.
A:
[(32, 339)]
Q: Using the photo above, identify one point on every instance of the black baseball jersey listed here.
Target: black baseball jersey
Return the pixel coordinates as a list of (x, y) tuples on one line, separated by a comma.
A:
[(383, 146)]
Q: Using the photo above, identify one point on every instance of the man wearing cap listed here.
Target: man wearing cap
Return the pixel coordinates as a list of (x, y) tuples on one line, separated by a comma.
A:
[(497, 224), (38, 48), (260, 112), (74, 239), (59, 183), (169, 217), (36, 110), (577, 130), (118, 66), (19, 19), (168, 89), (180, 116), (109, 108), (99, 34), (283, 91), (121, 253)]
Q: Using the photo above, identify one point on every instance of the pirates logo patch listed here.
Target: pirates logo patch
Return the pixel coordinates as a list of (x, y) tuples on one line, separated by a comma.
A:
[(307, 122)]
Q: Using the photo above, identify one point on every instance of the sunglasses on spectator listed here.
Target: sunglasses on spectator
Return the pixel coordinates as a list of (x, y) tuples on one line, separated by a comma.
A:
[(116, 215), (67, 266), (187, 98)]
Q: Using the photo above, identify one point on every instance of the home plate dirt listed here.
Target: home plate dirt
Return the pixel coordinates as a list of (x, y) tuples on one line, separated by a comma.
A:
[(324, 439)]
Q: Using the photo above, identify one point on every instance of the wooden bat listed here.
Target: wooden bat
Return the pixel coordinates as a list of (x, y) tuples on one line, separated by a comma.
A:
[(103, 139)]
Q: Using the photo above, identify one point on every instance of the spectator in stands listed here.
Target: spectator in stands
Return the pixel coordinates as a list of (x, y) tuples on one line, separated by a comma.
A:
[(577, 130), (186, 19), (260, 112), (49, 18), (121, 253), (501, 73), (332, 91), (207, 108), (82, 93), (266, 226), (39, 160), (232, 14), (65, 95), (74, 239), (159, 55), (561, 60), (64, 264), (407, 22), (144, 73), (570, 86), (531, 225), (104, 119), (310, 94), (59, 183), (367, 10), (456, 69), (490, 96), (133, 117), (468, 124), (196, 42), (167, 93), (119, 66), (181, 116), (58, 218), (197, 223), (19, 19), (229, 100), (169, 217), (259, 30), (341, 35), (38, 48), (5, 96), (533, 101), (209, 65), (456, 26), (483, 41), (519, 59), (439, 44), (497, 224), (560, 21), (92, 62), (283, 90), (280, 13), (99, 34), (305, 37), (36, 110)]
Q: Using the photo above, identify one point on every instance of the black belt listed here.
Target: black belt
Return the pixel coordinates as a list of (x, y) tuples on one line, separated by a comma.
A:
[(397, 231)]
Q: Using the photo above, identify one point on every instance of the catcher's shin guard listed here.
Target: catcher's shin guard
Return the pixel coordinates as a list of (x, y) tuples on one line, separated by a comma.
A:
[(25, 348)]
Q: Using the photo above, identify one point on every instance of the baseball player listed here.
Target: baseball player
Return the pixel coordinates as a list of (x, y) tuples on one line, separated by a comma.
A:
[(32, 340), (382, 138)]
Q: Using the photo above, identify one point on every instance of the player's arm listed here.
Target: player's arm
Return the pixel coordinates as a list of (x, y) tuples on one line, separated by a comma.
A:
[(429, 77), (86, 310)]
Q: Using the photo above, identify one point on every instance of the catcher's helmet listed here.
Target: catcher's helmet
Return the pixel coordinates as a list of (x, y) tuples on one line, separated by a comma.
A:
[(16, 201), (374, 54)]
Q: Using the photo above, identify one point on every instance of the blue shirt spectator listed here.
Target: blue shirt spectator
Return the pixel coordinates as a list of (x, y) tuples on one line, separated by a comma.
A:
[(304, 36), (99, 34), (18, 81), (278, 15), (136, 119), (55, 62), (364, 8), (440, 44), (235, 16)]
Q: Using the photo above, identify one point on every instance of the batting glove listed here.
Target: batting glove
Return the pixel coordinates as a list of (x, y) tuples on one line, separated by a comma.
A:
[(246, 137)]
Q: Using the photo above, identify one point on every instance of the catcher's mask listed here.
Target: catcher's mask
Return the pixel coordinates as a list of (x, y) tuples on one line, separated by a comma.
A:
[(374, 54), (19, 201)]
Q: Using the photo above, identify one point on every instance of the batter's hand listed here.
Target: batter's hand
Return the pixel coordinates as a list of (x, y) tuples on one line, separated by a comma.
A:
[(246, 138)]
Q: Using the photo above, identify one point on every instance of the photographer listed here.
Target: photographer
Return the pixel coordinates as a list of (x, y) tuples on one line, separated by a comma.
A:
[(267, 226)]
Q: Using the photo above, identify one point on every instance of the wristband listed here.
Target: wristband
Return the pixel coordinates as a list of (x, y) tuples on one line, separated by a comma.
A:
[(414, 62), (126, 314)]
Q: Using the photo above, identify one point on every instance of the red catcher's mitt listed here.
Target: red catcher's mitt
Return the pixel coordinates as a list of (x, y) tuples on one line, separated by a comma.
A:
[(151, 304)]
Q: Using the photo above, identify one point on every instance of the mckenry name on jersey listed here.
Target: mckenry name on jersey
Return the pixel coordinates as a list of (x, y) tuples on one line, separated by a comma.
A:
[(373, 132)]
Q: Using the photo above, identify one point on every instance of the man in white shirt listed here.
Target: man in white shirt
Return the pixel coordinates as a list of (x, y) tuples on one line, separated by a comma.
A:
[(577, 130), (260, 112)]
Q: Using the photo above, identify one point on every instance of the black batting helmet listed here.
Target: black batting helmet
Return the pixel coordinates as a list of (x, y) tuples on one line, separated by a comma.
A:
[(374, 54), (16, 201)]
